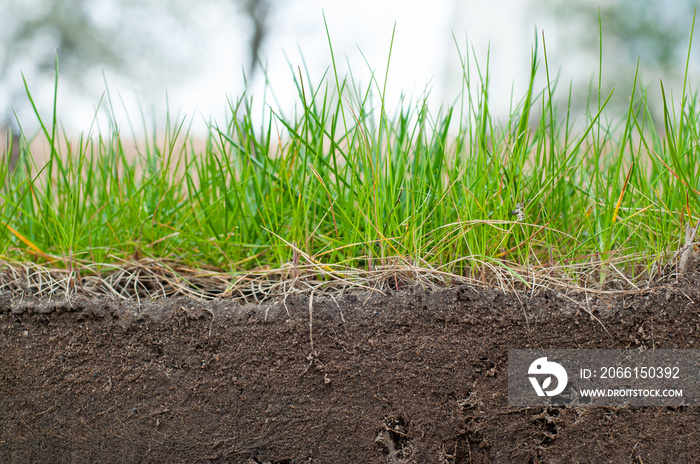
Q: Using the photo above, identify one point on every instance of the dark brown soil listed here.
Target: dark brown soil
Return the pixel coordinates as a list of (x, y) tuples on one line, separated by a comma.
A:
[(409, 376)]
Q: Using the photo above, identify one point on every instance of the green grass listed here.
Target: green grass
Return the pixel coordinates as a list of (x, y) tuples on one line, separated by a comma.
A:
[(350, 191)]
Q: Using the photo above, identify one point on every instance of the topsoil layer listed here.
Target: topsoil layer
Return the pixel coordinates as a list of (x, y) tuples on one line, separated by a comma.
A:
[(407, 376)]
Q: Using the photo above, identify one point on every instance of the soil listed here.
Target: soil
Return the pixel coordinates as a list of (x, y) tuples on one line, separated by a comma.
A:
[(410, 376)]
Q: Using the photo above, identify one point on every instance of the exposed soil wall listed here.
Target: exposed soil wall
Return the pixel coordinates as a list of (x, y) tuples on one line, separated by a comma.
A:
[(410, 376)]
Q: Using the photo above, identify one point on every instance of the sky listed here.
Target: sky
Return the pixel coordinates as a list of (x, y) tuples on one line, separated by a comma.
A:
[(212, 54)]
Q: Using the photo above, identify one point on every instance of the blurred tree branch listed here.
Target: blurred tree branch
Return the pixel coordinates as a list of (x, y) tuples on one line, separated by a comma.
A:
[(257, 13)]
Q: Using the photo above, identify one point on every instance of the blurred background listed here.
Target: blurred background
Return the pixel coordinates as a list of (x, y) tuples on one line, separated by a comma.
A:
[(190, 58)]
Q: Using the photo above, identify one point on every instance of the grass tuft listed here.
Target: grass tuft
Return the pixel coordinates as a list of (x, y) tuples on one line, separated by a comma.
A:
[(348, 192)]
